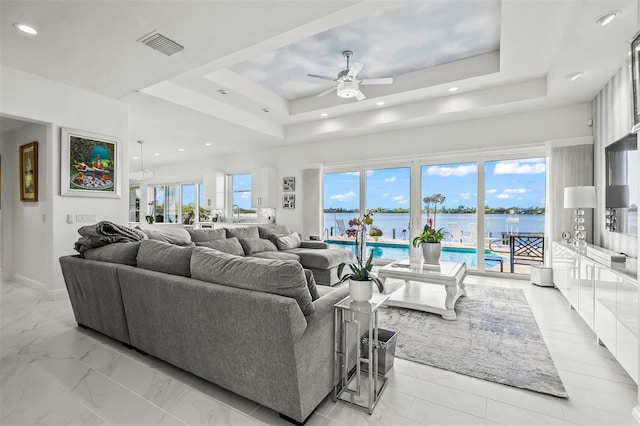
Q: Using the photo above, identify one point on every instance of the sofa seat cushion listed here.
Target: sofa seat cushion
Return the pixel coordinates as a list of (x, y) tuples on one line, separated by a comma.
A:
[(199, 235), (243, 232), (322, 258), (228, 245), (256, 245), (165, 257), (177, 236), (276, 255), (124, 253), (282, 277)]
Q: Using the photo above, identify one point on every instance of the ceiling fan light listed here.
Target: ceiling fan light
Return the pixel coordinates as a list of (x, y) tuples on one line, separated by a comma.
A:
[(347, 89)]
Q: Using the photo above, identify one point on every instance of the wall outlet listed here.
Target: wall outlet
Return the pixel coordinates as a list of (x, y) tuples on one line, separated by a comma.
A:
[(85, 218)]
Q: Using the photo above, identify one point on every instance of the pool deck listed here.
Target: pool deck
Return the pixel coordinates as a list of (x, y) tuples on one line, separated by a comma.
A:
[(498, 250)]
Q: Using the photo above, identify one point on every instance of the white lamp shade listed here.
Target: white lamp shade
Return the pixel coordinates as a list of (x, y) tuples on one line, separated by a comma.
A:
[(617, 196), (580, 197)]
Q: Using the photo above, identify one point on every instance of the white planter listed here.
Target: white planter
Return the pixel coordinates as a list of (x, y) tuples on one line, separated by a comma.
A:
[(360, 291), (431, 252)]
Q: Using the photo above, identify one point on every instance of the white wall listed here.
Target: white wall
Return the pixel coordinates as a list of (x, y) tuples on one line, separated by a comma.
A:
[(432, 143), (26, 96)]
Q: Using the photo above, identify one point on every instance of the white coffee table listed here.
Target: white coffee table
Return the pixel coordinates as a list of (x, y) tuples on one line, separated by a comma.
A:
[(422, 290)]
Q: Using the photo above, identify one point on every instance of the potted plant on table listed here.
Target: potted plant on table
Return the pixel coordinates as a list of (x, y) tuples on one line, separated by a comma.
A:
[(375, 233), (430, 238), (360, 277)]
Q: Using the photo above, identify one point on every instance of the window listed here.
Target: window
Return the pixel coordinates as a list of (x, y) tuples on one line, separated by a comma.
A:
[(387, 196), (134, 204), (178, 203), (241, 196), (341, 200)]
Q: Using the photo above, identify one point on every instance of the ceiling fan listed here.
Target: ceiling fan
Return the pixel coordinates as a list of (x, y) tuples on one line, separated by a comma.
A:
[(348, 83)]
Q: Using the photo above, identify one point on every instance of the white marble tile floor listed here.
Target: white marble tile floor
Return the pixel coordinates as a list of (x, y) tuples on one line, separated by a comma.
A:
[(54, 373)]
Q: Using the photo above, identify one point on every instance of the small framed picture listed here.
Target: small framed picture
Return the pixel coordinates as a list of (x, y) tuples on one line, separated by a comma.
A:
[(289, 184), (29, 172), (289, 201), (90, 164)]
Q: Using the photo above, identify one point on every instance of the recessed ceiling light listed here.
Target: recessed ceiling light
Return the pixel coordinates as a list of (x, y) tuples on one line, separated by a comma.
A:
[(266, 110), (324, 114), (208, 144), (453, 89), (26, 28), (380, 103), (156, 153), (574, 75), (223, 92), (181, 149), (135, 158), (607, 18)]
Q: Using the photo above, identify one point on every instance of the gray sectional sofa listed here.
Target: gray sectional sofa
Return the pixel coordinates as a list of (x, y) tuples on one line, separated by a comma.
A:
[(256, 326)]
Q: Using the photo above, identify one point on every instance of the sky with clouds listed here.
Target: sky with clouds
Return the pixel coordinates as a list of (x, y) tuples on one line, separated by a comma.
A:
[(391, 42), (514, 183)]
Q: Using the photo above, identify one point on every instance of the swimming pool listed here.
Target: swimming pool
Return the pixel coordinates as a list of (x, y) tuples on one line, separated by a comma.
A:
[(401, 251)]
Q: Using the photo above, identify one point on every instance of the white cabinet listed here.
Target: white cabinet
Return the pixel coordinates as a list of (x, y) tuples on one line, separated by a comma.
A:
[(263, 187), (605, 296), (213, 185)]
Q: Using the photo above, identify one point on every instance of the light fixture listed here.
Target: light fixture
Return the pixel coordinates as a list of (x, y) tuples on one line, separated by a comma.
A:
[(223, 92), (617, 197), (142, 173), (607, 18), (266, 110), (379, 103), (156, 153), (26, 28), (208, 144), (324, 114), (453, 89), (135, 158), (579, 198), (347, 89), (574, 75), (181, 149)]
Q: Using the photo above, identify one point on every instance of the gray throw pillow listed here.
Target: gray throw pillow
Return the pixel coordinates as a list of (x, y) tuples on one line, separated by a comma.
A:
[(256, 245), (288, 242), (165, 257), (175, 236), (311, 284), (283, 277), (266, 231), (243, 232), (124, 253), (228, 245), (199, 235)]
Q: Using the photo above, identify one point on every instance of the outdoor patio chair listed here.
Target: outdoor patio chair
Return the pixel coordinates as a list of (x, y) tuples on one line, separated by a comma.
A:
[(473, 233), (341, 227), (455, 231), (526, 249)]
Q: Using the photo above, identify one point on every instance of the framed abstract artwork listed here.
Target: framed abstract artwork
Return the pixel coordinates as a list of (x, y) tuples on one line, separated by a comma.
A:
[(29, 172), (289, 184), (289, 201), (90, 164)]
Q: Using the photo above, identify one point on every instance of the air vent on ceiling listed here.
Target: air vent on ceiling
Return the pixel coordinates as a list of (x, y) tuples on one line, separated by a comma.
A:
[(161, 43)]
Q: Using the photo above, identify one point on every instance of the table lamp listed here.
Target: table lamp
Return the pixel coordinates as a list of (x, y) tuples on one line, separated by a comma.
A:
[(579, 198), (617, 197)]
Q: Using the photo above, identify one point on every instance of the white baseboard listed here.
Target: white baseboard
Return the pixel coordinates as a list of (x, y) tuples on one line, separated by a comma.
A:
[(40, 287), (636, 413)]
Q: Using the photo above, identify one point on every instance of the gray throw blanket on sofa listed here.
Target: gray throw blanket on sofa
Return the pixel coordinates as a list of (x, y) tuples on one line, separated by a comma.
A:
[(105, 232)]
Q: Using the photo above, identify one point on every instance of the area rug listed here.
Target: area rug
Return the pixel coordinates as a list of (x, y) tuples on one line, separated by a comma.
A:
[(495, 337)]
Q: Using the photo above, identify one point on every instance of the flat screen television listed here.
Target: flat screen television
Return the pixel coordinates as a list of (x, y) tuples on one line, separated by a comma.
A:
[(621, 200)]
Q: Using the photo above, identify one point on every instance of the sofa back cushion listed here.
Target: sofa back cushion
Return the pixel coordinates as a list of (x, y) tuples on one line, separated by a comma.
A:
[(288, 242), (311, 284), (124, 253), (228, 245), (256, 245), (177, 236), (283, 277), (199, 235), (243, 232), (266, 231), (165, 257)]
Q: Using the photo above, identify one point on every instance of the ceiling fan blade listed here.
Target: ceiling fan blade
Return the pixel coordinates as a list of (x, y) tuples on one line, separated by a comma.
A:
[(356, 67), (326, 92), (321, 76), (360, 96), (386, 80)]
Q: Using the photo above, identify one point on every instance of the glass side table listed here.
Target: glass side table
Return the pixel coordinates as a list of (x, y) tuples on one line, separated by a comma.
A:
[(356, 387)]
